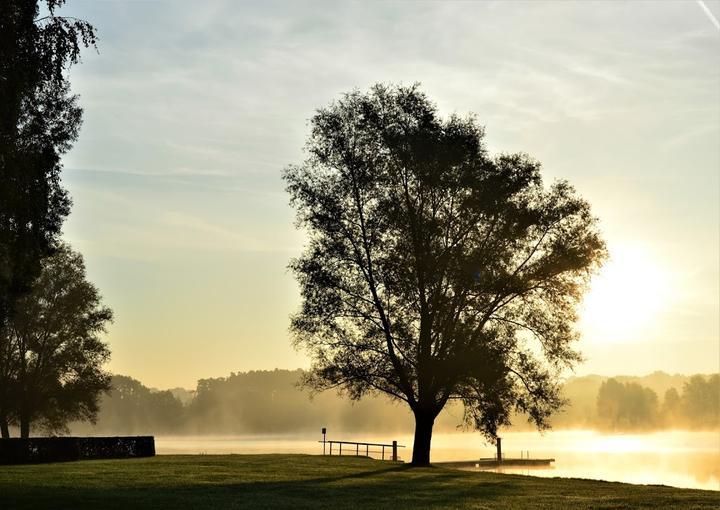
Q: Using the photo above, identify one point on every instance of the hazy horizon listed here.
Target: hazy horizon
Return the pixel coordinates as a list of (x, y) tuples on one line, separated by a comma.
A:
[(570, 376), (271, 402), (192, 111)]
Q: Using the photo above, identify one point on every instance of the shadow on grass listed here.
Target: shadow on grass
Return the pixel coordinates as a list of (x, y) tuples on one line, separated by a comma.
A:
[(307, 482), (378, 488)]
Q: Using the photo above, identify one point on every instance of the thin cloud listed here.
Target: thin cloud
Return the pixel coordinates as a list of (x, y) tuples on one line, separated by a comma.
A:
[(215, 234)]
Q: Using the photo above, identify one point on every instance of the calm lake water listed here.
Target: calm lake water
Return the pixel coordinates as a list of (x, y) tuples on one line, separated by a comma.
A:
[(677, 458)]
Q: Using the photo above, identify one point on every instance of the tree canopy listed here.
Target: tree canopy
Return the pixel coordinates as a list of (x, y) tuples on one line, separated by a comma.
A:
[(434, 270)]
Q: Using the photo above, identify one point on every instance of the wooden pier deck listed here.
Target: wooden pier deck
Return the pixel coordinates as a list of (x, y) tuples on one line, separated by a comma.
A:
[(499, 460), (493, 463)]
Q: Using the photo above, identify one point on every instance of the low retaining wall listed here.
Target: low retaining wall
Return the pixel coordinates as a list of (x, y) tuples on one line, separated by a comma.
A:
[(59, 449)]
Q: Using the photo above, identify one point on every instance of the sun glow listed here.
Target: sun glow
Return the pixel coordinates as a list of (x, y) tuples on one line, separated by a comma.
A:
[(624, 298)]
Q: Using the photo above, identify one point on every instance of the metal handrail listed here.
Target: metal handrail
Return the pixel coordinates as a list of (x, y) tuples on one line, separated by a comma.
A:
[(356, 442), (394, 446)]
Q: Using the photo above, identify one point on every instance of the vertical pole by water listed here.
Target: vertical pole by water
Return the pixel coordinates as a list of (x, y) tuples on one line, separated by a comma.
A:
[(383, 452), (340, 449), (394, 454), (367, 450), (498, 443), (357, 450), (324, 430)]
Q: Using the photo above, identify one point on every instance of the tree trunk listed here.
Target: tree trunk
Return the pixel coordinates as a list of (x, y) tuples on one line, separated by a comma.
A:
[(24, 425), (4, 428), (423, 435)]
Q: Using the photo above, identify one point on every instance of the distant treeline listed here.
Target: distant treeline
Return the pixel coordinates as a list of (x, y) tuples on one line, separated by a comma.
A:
[(269, 402)]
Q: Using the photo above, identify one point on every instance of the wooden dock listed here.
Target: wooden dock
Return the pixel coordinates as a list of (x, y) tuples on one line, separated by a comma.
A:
[(500, 460), (492, 463)]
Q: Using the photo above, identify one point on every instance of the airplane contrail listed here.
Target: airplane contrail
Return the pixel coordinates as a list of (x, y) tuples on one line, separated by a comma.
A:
[(709, 14)]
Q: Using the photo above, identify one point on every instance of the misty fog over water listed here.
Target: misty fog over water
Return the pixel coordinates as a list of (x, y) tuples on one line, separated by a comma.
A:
[(655, 429), (675, 458)]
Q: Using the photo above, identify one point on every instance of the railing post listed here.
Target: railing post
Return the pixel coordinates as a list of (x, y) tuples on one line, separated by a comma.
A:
[(367, 450), (394, 451), (331, 447), (383, 452), (340, 449)]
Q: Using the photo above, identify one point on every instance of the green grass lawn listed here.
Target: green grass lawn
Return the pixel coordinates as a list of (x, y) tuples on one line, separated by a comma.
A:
[(305, 481)]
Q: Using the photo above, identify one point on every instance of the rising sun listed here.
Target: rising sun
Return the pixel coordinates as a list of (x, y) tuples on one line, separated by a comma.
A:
[(625, 297)]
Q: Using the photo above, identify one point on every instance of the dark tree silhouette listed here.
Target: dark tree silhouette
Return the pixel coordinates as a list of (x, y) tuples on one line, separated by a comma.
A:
[(433, 270), (57, 353), (39, 121)]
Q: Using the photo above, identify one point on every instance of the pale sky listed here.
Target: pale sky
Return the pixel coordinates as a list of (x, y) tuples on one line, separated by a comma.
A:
[(192, 109)]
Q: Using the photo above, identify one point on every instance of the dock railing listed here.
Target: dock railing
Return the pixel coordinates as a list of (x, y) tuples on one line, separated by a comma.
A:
[(362, 449)]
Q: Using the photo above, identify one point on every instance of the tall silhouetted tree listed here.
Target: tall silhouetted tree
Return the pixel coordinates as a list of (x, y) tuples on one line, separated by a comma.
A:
[(39, 121), (58, 353), (433, 270)]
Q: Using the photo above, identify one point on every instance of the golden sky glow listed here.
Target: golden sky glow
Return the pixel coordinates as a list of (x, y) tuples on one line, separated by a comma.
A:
[(627, 297), (192, 110)]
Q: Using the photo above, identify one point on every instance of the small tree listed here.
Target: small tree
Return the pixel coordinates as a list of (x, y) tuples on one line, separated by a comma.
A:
[(58, 353), (433, 270)]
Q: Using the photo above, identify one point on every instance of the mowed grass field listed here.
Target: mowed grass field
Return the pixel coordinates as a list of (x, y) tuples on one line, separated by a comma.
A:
[(305, 481)]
